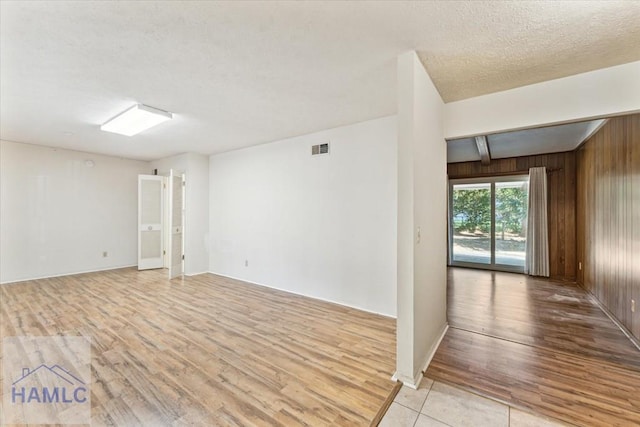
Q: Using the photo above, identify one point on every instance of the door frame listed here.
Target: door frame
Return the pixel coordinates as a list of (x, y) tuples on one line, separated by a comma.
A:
[(169, 226), (492, 180)]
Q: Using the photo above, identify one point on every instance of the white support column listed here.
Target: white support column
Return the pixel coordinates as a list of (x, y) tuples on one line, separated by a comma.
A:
[(422, 220)]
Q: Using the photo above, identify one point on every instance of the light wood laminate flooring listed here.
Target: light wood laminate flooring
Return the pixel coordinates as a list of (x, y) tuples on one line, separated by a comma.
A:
[(208, 350)]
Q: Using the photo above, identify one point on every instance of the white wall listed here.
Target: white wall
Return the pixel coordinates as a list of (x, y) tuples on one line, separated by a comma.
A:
[(601, 93), (57, 216), (196, 169), (322, 226), (197, 206), (422, 201)]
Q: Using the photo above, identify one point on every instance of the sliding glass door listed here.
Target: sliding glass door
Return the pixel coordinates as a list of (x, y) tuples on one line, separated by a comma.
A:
[(471, 221), (487, 222)]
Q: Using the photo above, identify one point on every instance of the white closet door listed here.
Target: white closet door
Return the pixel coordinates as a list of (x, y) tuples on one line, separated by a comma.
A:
[(150, 216), (176, 216)]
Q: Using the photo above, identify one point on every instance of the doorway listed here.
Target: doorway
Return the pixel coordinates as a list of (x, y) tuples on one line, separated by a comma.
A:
[(487, 222), (161, 212)]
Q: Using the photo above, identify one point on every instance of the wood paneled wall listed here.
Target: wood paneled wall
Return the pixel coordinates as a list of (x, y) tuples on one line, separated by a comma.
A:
[(608, 221), (561, 176)]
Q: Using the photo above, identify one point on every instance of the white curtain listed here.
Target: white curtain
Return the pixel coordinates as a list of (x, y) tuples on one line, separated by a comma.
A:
[(537, 254)]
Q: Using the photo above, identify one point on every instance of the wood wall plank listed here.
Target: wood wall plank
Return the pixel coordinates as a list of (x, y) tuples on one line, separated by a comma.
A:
[(634, 138), (562, 201), (608, 219), (570, 212)]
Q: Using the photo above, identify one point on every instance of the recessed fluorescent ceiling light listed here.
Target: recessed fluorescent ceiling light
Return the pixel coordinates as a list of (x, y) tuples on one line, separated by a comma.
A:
[(136, 119)]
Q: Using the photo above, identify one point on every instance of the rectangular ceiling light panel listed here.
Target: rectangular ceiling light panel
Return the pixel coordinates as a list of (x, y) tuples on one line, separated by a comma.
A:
[(135, 120)]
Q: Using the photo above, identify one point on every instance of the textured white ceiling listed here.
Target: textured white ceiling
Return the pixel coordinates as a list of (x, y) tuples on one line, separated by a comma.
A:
[(552, 139), (242, 73)]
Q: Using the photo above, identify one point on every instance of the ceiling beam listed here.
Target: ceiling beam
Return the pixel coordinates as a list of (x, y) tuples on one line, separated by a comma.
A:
[(612, 92), (483, 149)]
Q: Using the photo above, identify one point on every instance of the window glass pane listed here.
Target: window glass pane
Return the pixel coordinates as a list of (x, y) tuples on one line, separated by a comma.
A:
[(151, 195), (511, 222), (471, 226), (150, 244)]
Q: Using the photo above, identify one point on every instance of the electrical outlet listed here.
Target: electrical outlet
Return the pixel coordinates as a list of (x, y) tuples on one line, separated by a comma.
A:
[(246, 263), (633, 306), (105, 254), (418, 236)]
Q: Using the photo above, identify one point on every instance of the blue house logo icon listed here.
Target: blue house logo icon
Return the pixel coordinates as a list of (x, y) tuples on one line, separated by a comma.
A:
[(48, 384)]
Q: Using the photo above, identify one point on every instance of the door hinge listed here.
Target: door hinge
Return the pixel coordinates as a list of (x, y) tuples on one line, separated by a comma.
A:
[(184, 183), (164, 252), (164, 185), (183, 257)]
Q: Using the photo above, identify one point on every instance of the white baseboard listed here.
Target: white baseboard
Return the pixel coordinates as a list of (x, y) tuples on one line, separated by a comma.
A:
[(67, 274), (415, 381), (195, 274), (635, 341), (434, 348), (304, 295)]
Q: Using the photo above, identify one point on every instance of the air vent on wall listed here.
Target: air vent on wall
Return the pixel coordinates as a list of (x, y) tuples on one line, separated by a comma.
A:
[(320, 149)]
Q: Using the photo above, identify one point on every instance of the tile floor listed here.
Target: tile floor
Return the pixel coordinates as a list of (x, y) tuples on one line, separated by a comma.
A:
[(435, 404)]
